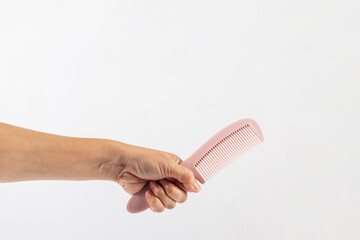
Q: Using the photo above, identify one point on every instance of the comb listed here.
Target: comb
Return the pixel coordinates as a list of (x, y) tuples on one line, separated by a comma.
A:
[(214, 155)]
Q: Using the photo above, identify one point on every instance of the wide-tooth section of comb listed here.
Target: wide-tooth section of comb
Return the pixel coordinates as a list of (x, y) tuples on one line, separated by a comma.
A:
[(226, 151)]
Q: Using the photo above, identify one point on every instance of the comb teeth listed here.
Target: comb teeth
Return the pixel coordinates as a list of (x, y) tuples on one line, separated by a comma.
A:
[(226, 151)]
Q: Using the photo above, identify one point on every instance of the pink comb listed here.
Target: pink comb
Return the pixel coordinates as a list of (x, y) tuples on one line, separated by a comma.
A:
[(218, 152)]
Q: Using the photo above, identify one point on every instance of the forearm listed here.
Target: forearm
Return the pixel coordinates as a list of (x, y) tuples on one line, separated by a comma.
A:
[(30, 155)]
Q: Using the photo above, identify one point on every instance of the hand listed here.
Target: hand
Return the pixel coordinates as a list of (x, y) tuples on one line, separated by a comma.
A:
[(169, 181)]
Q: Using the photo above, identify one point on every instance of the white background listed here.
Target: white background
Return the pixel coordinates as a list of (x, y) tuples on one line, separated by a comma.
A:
[(168, 75)]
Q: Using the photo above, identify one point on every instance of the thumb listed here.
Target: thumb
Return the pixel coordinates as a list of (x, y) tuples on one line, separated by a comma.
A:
[(185, 176)]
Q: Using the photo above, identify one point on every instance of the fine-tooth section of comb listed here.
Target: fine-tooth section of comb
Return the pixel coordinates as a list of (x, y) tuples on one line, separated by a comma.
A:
[(226, 151)]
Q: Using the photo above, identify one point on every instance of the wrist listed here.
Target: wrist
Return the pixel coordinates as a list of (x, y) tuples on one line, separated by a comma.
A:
[(112, 160), (90, 159)]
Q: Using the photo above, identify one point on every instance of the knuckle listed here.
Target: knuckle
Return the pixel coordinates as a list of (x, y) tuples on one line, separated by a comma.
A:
[(159, 209), (157, 190), (153, 201), (156, 205), (171, 190), (171, 205), (154, 209), (184, 198)]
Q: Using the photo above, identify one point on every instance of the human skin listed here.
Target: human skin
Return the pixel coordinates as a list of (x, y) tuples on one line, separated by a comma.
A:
[(30, 155)]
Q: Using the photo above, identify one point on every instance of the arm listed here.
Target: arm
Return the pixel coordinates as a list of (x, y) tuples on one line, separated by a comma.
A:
[(30, 155)]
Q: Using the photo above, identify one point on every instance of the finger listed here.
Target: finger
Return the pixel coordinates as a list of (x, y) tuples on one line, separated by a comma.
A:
[(154, 203), (185, 176), (173, 191), (177, 183), (131, 183), (160, 194)]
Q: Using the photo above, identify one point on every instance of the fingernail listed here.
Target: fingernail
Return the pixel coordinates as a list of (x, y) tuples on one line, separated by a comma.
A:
[(196, 187)]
